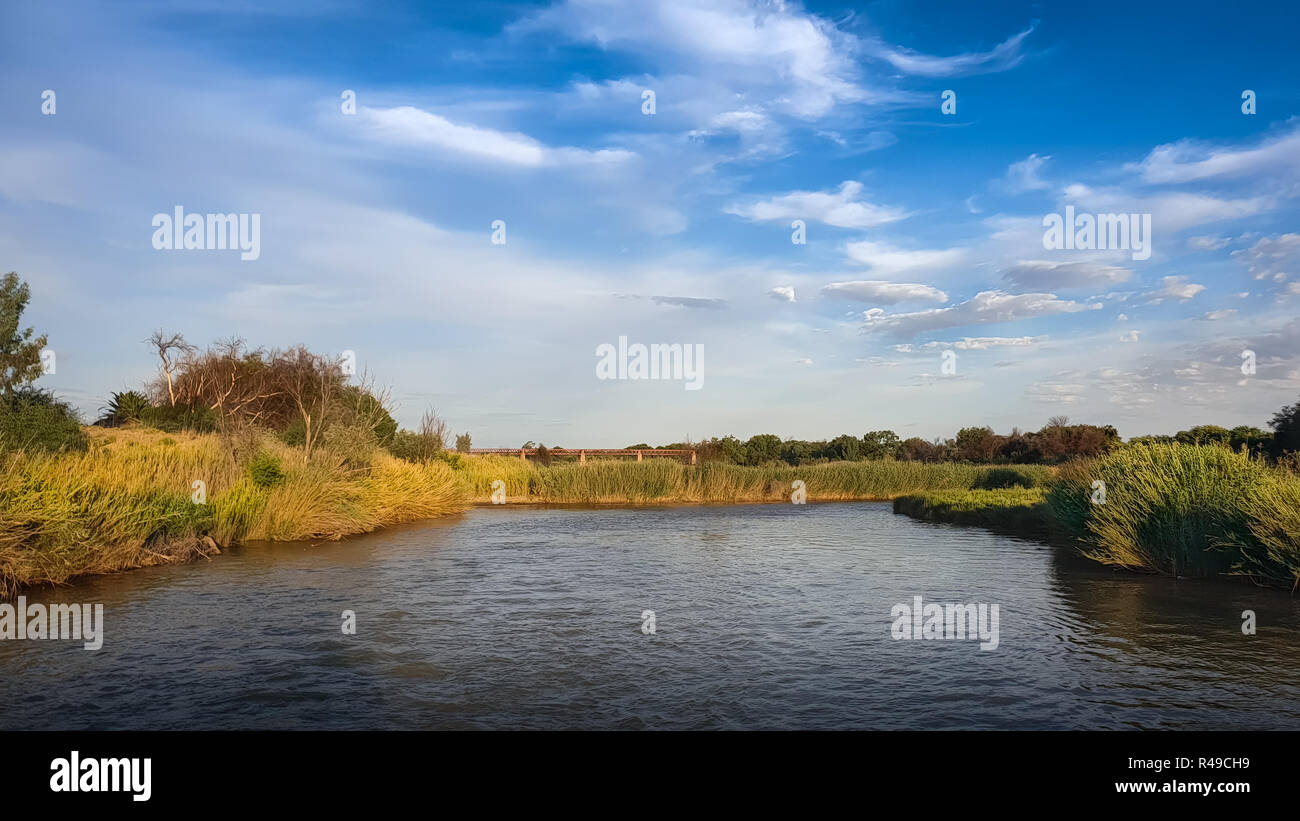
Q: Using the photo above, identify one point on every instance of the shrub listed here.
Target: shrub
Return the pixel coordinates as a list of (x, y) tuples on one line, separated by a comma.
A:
[(32, 419), (177, 418), (123, 407), (265, 470)]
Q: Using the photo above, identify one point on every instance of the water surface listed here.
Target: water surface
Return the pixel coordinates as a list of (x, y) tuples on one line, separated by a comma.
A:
[(767, 616)]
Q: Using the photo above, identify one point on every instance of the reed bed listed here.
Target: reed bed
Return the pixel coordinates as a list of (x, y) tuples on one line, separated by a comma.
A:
[(129, 501), (659, 481), (1184, 510)]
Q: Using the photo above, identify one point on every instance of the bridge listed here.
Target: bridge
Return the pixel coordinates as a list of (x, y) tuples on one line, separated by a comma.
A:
[(687, 456)]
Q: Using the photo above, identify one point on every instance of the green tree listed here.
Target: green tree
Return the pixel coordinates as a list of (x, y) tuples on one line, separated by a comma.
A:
[(1286, 430), (881, 444), (765, 447), (20, 354)]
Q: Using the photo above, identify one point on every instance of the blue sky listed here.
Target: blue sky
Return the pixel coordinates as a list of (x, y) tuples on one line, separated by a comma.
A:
[(924, 229)]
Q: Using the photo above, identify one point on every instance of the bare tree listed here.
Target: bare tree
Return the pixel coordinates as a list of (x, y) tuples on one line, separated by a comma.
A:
[(434, 433), (171, 350), (310, 382)]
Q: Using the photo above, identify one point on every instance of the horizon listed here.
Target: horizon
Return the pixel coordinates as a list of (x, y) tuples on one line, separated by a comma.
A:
[(923, 300)]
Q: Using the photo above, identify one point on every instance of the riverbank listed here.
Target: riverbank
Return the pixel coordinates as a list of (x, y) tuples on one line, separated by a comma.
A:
[(1179, 510), (140, 497)]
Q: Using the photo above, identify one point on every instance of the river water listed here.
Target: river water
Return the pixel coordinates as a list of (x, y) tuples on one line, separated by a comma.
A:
[(765, 616)]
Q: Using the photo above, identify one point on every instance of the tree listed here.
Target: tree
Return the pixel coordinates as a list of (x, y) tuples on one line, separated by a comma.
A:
[(977, 444), (1286, 430), (845, 447), (170, 348), (1204, 435), (463, 443), (311, 382), (20, 354), (880, 444), (765, 447)]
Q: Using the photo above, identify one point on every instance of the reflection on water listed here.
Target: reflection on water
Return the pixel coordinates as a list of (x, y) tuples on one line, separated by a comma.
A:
[(774, 616)]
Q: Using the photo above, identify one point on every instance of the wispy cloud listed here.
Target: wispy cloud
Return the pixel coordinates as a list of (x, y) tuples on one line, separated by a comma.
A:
[(841, 208), (414, 126), (1007, 54), (984, 308), (884, 293)]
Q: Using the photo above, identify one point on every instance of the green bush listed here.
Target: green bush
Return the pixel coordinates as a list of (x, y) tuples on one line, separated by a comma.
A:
[(295, 434), (123, 407), (173, 419), (32, 419), (265, 470)]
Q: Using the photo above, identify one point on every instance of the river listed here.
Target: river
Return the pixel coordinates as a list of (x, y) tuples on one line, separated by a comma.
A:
[(765, 617)]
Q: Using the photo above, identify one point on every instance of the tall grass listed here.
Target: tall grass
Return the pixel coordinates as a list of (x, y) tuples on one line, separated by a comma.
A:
[(663, 481), (128, 501), (1183, 510)]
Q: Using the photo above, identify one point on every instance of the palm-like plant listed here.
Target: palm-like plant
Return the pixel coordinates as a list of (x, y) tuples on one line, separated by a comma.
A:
[(123, 407)]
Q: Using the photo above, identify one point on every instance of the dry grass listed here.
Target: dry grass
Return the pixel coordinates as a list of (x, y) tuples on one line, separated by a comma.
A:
[(128, 501)]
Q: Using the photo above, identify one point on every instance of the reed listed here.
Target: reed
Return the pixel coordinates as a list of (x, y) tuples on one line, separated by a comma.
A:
[(129, 501), (661, 481)]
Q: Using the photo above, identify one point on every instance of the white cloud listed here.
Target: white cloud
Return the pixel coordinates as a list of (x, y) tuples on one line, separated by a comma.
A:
[(414, 126), (840, 208), (1130, 336), (887, 259), (784, 293), (1190, 161), (884, 293), (1038, 273), (1272, 258), (1005, 55), (1207, 243), (1223, 314), (1023, 176), (1171, 211), (985, 307), (978, 343), (1174, 287), (804, 59)]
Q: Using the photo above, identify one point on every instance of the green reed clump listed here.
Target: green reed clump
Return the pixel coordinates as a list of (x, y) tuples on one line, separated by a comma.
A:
[(1179, 509)]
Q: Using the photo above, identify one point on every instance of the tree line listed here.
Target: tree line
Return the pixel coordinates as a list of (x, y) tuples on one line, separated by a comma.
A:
[(1056, 442)]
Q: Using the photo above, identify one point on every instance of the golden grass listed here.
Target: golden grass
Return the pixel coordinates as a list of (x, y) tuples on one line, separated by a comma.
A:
[(127, 501)]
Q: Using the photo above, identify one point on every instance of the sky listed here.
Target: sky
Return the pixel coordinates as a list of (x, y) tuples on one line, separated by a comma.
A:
[(502, 200)]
